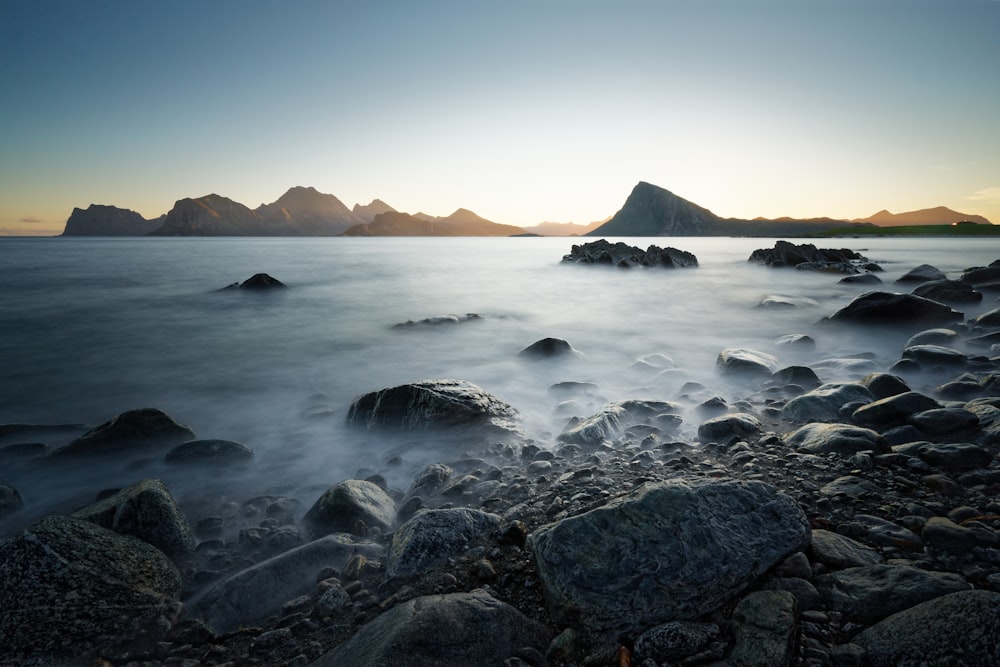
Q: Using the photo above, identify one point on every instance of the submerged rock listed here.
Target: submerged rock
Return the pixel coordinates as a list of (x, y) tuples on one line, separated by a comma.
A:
[(10, 501), (209, 452), (134, 432), (614, 419), (738, 361), (788, 254), (895, 308), (261, 281), (438, 321), (669, 551), (949, 291), (547, 348), (625, 256), (922, 274)]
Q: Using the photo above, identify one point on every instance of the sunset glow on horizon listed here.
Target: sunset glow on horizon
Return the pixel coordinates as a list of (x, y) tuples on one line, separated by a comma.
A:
[(523, 112)]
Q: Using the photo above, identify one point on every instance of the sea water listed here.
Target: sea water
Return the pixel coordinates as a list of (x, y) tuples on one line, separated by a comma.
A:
[(91, 327)]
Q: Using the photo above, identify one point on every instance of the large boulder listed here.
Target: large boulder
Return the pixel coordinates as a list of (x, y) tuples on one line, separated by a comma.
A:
[(948, 291), (614, 419), (766, 630), (788, 254), (145, 510), (843, 439), (670, 551), (894, 410), (209, 452), (448, 405), (893, 308), (343, 505), (922, 274), (253, 594), (141, 431), (71, 590), (454, 630), (626, 256), (823, 403), (434, 536)]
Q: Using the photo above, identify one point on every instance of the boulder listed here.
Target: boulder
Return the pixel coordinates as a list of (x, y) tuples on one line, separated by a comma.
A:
[(934, 355), (10, 501), (625, 256), (675, 641), (209, 452), (71, 590), (614, 419), (851, 486), (740, 425), (922, 274), (839, 551), (433, 536), (446, 405), (766, 630), (823, 404), (884, 385), (146, 510), (438, 321), (944, 421), (948, 291), (894, 410), (788, 254), (956, 456), (943, 534), (988, 320), (670, 551), (141, 431), (892, 308), (548, 348), (959, 628), (453, 630), (802, 376), (343, 505), (981, 274), (843, 439), (932, 337), (253, 594), (862, 279), (742, 362), (261, 281)]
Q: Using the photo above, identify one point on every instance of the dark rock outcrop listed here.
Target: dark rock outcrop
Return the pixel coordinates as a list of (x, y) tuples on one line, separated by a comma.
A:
[(209, 452), (100, 220), (434, 536), (548, 348), (654, 211), (922, 274), (343, 505), (623, 255), (895, 308), (139, 431), (261, 281), (788, 254), (948, 291), (612, 421)]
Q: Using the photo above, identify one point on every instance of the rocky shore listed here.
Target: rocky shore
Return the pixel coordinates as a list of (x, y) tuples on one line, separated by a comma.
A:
[(770, 519)]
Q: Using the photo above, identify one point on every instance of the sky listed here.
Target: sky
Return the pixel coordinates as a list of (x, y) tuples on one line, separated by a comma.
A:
[(522, 110)]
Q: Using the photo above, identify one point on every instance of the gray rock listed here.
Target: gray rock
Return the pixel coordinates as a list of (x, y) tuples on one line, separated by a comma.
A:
[(333, 602), (766, 629), (944, 421), (742, 362), (796, 340), (851, 486), (982, 274), (839, 551), (894, 410), (884, 385), (145, 510), (623, 255), (806, 596), (434, 536), (209, 452), (949, 291), (862, 278), (922, 274), (721, 428), (675, 640), (928, 355), (71, 590), (346, 503), (988, 320), (449, 405), (958, 629), (944, 534), (868, 594), (140, 431), (803, 376), (789, 254), (932, 337), (455, 630), (261, 281), (956, 455), (883, 532), (895, 309), (10, 501), (547, 348), (253, 594), (429, 481), (669, 551), (823, 403), (614, 419), (843, 439)]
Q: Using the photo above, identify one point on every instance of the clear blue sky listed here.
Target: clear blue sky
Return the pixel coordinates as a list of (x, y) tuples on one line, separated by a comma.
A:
[(522, 111)]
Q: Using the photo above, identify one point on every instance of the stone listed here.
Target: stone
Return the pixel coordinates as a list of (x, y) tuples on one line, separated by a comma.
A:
[(894, 410), (766, 630), (804, 341), (988, 320), (261, 281), (346, 503), (823, 403), (614, 419), (851, 486), (868, 594), (946, 535), (895, 309), (944, 421), (959, 628), (10, 501), (71, 590), (669, 551), (789, 254), (251, 595), (922, 274), (982, 274), (956, 455), (782, 301), (139, 431), (885, 533), (884, 385), (843, 439), (862, 279), (453, 630), (145, 510), (445, 405), (934, 354), (429, 481), (438, 320), (623, 255), (433, 536), (839, 551), (209, 452), (675, 640), (932, 337), (547, 348), (740, 425), (948, 291), (742, 362), (802, 376)]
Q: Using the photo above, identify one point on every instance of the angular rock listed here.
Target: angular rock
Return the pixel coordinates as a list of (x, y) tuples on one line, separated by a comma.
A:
[(209, 452), (823, 404), (434, 536), (139, 431), (548, 348), (839, 551), (843, 439), (948, 291), (614, 419), (71, 590), (448, 405), (788, 254), (894, 410), (922, 274), (721, 428), (895, 309), (146, 510), (743, 362), (454, 630), (669, 551), (959, 628), (766, 629), (253, 594), (343, 505), (675, 640), (625, 256)]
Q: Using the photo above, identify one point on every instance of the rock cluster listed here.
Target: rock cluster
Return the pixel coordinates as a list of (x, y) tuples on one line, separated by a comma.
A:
[(623, 255), (807, 257)]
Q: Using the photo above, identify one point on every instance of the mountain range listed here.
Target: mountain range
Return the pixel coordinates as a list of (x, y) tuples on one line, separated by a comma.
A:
[(303, 211)]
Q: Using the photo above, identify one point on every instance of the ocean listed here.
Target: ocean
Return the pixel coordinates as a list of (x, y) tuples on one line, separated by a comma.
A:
[(91, 327)]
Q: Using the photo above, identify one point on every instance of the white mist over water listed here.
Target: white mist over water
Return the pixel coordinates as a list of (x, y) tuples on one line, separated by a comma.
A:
[(90, 328)]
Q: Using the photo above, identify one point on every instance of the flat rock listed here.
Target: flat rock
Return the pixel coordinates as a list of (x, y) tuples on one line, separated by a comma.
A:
[(839, 551), (453, 630), (139, 431), (209, 452), (669, 551), (895, 309), (823, 403), (343, 505), (433, 536), (843, 439)]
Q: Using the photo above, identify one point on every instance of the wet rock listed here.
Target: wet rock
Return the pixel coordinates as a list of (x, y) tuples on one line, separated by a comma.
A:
[(669, 551), (675, 640), (547, 348), (944, 421), (934, 354), (885, 533), (253, 594), (145, 510), (944, 534), (802, 376), (988, 320), (788, 254), (948, 291), (945, 337), (625, 256), (956, 456), (10, 501), (429, 481), (614, 419), (894, 410), (981, 274), (743, 362), (884, 385), (862, 278), (851, 486), (209, 452), (870, 593), (959, 390), (454, 630), (796, 340), (261, 281), (839, 551), (895, 309), (782, 301), (722, 428), (449, 405), (434, 536), (438, 321), (71, 590), (823, 404), (765, 627), (922, 274), (960, 628), (134, 432), (843, 439), (343, 505)]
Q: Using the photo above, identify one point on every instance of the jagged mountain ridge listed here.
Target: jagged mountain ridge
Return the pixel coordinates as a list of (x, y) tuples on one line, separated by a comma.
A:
[(101, 220), (460, 223), (939, 215)]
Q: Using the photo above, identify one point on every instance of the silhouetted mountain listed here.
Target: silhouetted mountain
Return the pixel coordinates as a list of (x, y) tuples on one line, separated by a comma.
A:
[(306, 212), (563, 228), (368, 213), (99, 220), (939, 215), (212, 215), (460, 223)]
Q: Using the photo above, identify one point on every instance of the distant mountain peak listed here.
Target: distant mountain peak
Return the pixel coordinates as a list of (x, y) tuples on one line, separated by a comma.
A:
[(938, 215), (654, 211)]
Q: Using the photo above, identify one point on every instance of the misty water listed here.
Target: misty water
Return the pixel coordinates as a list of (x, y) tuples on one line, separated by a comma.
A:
[(90, 328)]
